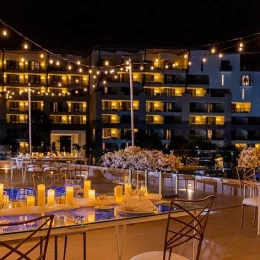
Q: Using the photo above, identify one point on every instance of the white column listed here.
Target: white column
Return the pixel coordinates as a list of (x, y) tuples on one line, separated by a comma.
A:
[(131, 102), (30, 118)]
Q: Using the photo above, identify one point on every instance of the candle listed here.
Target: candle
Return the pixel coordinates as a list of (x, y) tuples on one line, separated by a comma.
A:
[(6, 199), (91, 217), (92, 194), (1, 189), (87, 187), (118, 193), (128, 187), (69, 195), (41, 195), (50, 197), (30, 201)]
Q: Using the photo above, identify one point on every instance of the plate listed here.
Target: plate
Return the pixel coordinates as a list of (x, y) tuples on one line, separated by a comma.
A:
[(103, 207)]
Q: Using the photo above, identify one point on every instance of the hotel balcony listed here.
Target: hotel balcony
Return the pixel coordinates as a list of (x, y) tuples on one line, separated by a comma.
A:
[(241, 110)]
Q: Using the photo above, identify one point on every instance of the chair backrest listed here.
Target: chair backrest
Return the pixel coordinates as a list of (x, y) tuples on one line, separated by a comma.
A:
[(16, 250), (247, 180), (192, 161), (19, 163), (180, 230)]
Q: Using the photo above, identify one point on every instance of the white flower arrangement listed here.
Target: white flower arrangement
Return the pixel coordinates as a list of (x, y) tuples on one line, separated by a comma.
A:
[(249, 158), (135, 158)]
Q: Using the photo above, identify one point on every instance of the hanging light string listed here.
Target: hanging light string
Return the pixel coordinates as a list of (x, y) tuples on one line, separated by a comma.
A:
[(230, 40), (52, 53), (58, 56), (233, 46)]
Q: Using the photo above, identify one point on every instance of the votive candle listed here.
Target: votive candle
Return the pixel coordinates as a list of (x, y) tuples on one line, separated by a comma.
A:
[(41, 195), (91, 217), (92, 194), (50, 197), (69, 195), (30, 200), (87, 187), (118, 193), (1, 188)]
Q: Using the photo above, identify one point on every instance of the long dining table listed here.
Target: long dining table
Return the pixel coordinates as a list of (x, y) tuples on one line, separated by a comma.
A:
[(80, 220)]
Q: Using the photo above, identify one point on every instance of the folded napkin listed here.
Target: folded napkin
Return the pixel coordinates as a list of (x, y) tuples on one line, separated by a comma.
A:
[(153, 197), (136, 205)]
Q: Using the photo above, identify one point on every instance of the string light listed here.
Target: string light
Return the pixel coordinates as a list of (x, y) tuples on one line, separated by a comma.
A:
[(212, 51)]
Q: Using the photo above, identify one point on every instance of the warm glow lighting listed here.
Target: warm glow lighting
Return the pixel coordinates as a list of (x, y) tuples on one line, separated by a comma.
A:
[(41, 195), (189, 62), (57, 63), (90, 71), (213, 50), (30, 201), (106, 63), (220, 55), (204, 59), (78, 62), (4, 32), (185, 56), (42, 56), (25, 46), (50, 197), (51, 61), (69, 195), (87, 187), (80, 70), (69, 67), (92, 194)]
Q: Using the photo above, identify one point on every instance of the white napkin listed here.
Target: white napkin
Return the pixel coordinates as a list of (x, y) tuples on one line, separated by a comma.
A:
[(84, 202), (153, 197), (137, 205)]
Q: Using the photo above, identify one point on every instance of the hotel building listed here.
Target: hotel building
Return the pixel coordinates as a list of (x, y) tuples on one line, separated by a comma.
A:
[(176, 92)]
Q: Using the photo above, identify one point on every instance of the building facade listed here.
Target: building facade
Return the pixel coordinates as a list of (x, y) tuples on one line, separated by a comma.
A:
[(58, 89), (176, 92)]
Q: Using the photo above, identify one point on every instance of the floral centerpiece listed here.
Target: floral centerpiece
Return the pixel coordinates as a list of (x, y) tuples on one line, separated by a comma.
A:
[(249, 158), (135, 158)]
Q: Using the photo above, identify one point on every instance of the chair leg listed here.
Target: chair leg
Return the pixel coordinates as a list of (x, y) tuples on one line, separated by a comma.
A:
[(242, 216), (255, 214)]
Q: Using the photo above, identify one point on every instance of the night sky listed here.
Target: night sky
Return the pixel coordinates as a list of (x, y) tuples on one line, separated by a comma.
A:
[(79, 25)]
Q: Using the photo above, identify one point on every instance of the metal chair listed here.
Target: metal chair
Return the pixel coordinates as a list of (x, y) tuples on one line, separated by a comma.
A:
[(248, 189), (37, 246), (189, 177), (181, 230)]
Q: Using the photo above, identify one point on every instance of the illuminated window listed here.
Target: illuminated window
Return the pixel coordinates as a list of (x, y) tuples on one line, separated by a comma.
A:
[(246, 80)]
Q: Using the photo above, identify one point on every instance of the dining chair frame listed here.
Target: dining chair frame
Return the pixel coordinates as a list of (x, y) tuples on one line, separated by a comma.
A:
[(192, 161), (45, 225), (41, 177), (181, 229), (191, 228), (247, 178)]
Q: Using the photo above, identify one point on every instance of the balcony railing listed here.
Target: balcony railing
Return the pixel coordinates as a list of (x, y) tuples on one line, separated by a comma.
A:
[(241, 110)]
